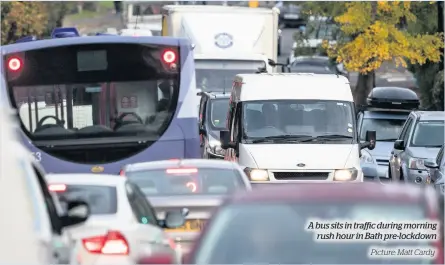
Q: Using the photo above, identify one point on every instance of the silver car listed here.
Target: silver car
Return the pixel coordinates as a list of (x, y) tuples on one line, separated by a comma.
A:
[(436, 170), (420, 140), (199, 185)]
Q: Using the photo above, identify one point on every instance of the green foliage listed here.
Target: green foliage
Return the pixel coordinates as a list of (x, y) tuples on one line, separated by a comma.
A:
[(438, 91), (19, 19)]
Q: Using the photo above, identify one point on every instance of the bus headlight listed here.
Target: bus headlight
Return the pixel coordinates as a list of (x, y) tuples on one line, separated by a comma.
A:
[(348, 174), (256, 174)]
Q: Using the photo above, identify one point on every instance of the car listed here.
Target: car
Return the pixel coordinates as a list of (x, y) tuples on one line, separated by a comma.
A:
[(290, 16), (436, 170), (123, 225), (316, 65), (386, 111), (198, 185), (32, 223), (420, 139), (270, 227), (212, 118)]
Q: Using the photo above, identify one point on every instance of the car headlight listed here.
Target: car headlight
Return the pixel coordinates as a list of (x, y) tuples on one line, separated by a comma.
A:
[(416, 163), (256, 174), (347, 174), (367, 158)]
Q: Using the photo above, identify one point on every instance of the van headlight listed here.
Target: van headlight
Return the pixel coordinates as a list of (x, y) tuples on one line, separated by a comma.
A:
[(347, 174), (255, 174), (367, 158), (416, 163)]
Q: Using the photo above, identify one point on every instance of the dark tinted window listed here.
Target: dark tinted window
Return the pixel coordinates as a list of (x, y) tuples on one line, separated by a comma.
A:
[(387, 130), (428, 134), (218, 113), (101, 199), (187, 181), (276, 234)]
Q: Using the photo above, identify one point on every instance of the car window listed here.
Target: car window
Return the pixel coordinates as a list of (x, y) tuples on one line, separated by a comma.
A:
[(218, 113), (428, 134), (147, 209), (187, 181), (139, 207), (406, 129), (56, 223), (101, 199), (386, 129)]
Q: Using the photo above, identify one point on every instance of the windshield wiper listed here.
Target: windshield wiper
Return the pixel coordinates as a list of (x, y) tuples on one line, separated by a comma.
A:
[(328, 137), (282, 138), (387, 139)]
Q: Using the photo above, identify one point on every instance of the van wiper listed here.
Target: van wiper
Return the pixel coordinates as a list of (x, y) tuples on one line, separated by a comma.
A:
[(387, 139), (328, 137), (282, 138)]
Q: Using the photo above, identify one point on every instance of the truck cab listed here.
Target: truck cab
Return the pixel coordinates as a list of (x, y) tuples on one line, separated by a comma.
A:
[(386, 112)]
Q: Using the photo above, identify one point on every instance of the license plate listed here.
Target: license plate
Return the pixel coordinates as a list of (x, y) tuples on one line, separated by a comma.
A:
[(291, 16), (189, 226)]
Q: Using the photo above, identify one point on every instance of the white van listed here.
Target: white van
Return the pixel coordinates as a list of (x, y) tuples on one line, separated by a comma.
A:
[(293, 128), (31, 223)]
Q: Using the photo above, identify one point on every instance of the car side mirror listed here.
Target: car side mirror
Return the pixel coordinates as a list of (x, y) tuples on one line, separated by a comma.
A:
[(174, 219), (399, 145), (370, 140), (431, 164), (77, 212)]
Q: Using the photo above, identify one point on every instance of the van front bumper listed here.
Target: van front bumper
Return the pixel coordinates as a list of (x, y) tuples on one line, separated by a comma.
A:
[(307, 176)]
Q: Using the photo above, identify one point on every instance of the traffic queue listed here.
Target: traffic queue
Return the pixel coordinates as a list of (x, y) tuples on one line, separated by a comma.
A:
[(138, 174)]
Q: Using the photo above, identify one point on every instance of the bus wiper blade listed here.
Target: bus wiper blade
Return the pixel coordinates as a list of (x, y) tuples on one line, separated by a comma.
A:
[(281, 138), (387, 140)]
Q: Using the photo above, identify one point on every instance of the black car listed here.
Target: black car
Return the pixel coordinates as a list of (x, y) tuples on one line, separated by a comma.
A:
[(316, 65), (212, 119), (290, 16)]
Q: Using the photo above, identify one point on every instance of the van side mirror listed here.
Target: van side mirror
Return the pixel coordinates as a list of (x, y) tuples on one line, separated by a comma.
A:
[(370, 139), (224, 137), (399, 145)]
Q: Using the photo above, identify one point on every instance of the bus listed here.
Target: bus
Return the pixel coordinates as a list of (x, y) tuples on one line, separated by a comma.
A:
[(95, 104)]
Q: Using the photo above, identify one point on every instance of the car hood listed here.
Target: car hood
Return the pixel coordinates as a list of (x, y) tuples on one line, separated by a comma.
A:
[(424, 152), (382, 149), (287, 156)]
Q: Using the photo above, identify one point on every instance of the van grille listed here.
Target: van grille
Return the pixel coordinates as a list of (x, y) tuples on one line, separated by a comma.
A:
[(301, 175)]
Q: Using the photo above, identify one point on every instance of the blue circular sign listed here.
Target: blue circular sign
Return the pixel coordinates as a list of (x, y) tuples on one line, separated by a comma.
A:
[(223, 40)]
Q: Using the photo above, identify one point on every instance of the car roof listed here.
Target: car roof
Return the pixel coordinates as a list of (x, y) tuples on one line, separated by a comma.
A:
[(86, 179), (430, 115), (293, 86), (199, 163), (362, 192)]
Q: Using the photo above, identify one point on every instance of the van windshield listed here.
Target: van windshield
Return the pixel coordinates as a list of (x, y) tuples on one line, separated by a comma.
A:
[(271, 118)]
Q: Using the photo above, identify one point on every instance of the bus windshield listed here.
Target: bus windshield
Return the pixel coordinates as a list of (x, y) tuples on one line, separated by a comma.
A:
[(93, 91), (218, 75)]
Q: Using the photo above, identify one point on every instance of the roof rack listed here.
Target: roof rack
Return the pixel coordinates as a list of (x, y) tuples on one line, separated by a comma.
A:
[(392, 99)]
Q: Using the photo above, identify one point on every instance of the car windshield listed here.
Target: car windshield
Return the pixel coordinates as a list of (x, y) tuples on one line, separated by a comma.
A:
[(428, 134), (274, 233), (297, 117), (100, 199), (218, 75), (321, 30), (387, 130), (97, 94), (187, 181), (219, 108)]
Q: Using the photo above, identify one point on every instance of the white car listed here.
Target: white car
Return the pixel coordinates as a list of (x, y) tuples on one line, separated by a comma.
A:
[(122, 227), (32, 222)]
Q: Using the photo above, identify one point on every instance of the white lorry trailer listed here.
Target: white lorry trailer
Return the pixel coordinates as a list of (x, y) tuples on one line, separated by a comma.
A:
[(228, 40)]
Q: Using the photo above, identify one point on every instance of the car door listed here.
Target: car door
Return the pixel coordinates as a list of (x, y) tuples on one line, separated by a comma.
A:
[(149, 236), (397, 156), (437, 173)]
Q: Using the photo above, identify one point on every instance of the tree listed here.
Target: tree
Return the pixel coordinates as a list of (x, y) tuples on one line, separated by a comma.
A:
[(19, 19), (377, 36)]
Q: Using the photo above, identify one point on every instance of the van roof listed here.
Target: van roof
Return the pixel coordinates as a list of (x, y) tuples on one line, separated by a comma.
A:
[(267, 86), (213, 8)]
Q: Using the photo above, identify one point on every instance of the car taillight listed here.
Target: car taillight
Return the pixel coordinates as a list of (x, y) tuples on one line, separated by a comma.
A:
[(57, 187), (113, 243), (182, 171), (122, 172), (172, 243)]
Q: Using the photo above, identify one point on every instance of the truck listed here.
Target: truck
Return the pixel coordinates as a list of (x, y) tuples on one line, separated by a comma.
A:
[(227, 40)]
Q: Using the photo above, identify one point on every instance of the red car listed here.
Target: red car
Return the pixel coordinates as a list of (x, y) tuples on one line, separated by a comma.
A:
[(270, 226)]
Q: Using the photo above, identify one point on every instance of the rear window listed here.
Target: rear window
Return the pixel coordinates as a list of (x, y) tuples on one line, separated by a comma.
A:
[(101, 199), (274, 233), (187, 181)]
